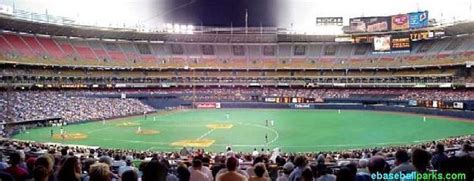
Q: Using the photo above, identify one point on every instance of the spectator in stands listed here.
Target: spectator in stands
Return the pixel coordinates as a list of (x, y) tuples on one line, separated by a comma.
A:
[(377, 164), (183, 172), (300, 164), (128, 166), (287, 169), (43, 168), (219, 164), (118, 161), (157, 171), (3, 164), (466, 150), (402, 162), (421, 160), (250, 171), (129, 175), (439, 157), (231, 174), (100, 172), (307, 175), (260, 171), (70, 170), (347, 172), (15, 169), (197, 173)]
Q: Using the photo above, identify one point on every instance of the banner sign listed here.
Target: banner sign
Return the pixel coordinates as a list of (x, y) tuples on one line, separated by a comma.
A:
[(400, 22), (302, 106), (418, 19), (458, 105), (205, 105), (324, 21), (376, 24)]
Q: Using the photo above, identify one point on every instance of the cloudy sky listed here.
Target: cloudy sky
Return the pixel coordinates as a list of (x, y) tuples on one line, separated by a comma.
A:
[(279, 13)]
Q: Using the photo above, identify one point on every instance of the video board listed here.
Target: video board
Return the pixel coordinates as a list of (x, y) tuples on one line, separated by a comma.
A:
[(382, 43)]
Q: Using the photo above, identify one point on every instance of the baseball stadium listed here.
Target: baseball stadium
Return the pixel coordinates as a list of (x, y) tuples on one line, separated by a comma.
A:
[(236, 90)]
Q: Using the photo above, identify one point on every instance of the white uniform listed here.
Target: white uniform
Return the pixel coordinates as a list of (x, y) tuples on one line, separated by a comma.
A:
[(139, 130)]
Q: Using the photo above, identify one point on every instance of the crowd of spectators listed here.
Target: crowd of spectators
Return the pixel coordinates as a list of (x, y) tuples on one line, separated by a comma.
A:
[(37, 161), (33, 105), (319, 94), (84, 105)]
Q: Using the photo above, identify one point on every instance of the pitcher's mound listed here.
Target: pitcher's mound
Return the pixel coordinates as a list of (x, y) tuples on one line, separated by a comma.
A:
[(220, 126), (194, 143), (70, 136), (148, 132)]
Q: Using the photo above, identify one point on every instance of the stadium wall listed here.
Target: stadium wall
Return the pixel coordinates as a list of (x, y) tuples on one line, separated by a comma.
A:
[(355, 106)]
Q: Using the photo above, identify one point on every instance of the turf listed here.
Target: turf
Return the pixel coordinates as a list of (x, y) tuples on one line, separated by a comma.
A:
[(294, 130)]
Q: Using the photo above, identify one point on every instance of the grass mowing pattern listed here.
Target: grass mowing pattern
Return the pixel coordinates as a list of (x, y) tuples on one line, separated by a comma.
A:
[(294, 130)]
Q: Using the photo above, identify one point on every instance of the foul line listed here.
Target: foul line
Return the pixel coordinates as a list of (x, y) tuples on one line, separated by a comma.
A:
[(205, 134)]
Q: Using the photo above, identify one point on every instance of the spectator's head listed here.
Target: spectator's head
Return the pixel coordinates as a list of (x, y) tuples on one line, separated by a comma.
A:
[(15, 158), (183, 172), (41, 173), (401, 156), (307, 174), (129, 175), (363, 163), (259, 169), (70, 169), (440, 148), (258, 159), (347, 172), (232, 163), (99, 172), (377, 164), (154, 171), (288, 168), (421, 160), (300, 161), (197, 164), (43, 168), (466, 147)]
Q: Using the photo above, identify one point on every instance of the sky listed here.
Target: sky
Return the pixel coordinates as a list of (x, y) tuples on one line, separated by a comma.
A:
[(280, 13)]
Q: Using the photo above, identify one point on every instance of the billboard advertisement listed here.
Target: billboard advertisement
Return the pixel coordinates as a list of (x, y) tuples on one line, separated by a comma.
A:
[(382, 43), (324, 21), (302, 106), (357, 25), (375, 24), (418, 19), (400, 42), (205, 105), (369, 24), (400, 22)]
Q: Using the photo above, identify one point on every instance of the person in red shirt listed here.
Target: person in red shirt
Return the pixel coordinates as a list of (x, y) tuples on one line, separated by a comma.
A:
[(15, 170)]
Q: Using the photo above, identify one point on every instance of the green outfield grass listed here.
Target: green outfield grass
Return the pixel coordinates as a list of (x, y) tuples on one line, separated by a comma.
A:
[(294, 130)]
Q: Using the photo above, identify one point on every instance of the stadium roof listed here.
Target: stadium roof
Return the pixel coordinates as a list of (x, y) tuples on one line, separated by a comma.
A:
[(200, 34)]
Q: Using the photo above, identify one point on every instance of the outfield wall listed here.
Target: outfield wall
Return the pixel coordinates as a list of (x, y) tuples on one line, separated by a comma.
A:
[(413, 110)]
